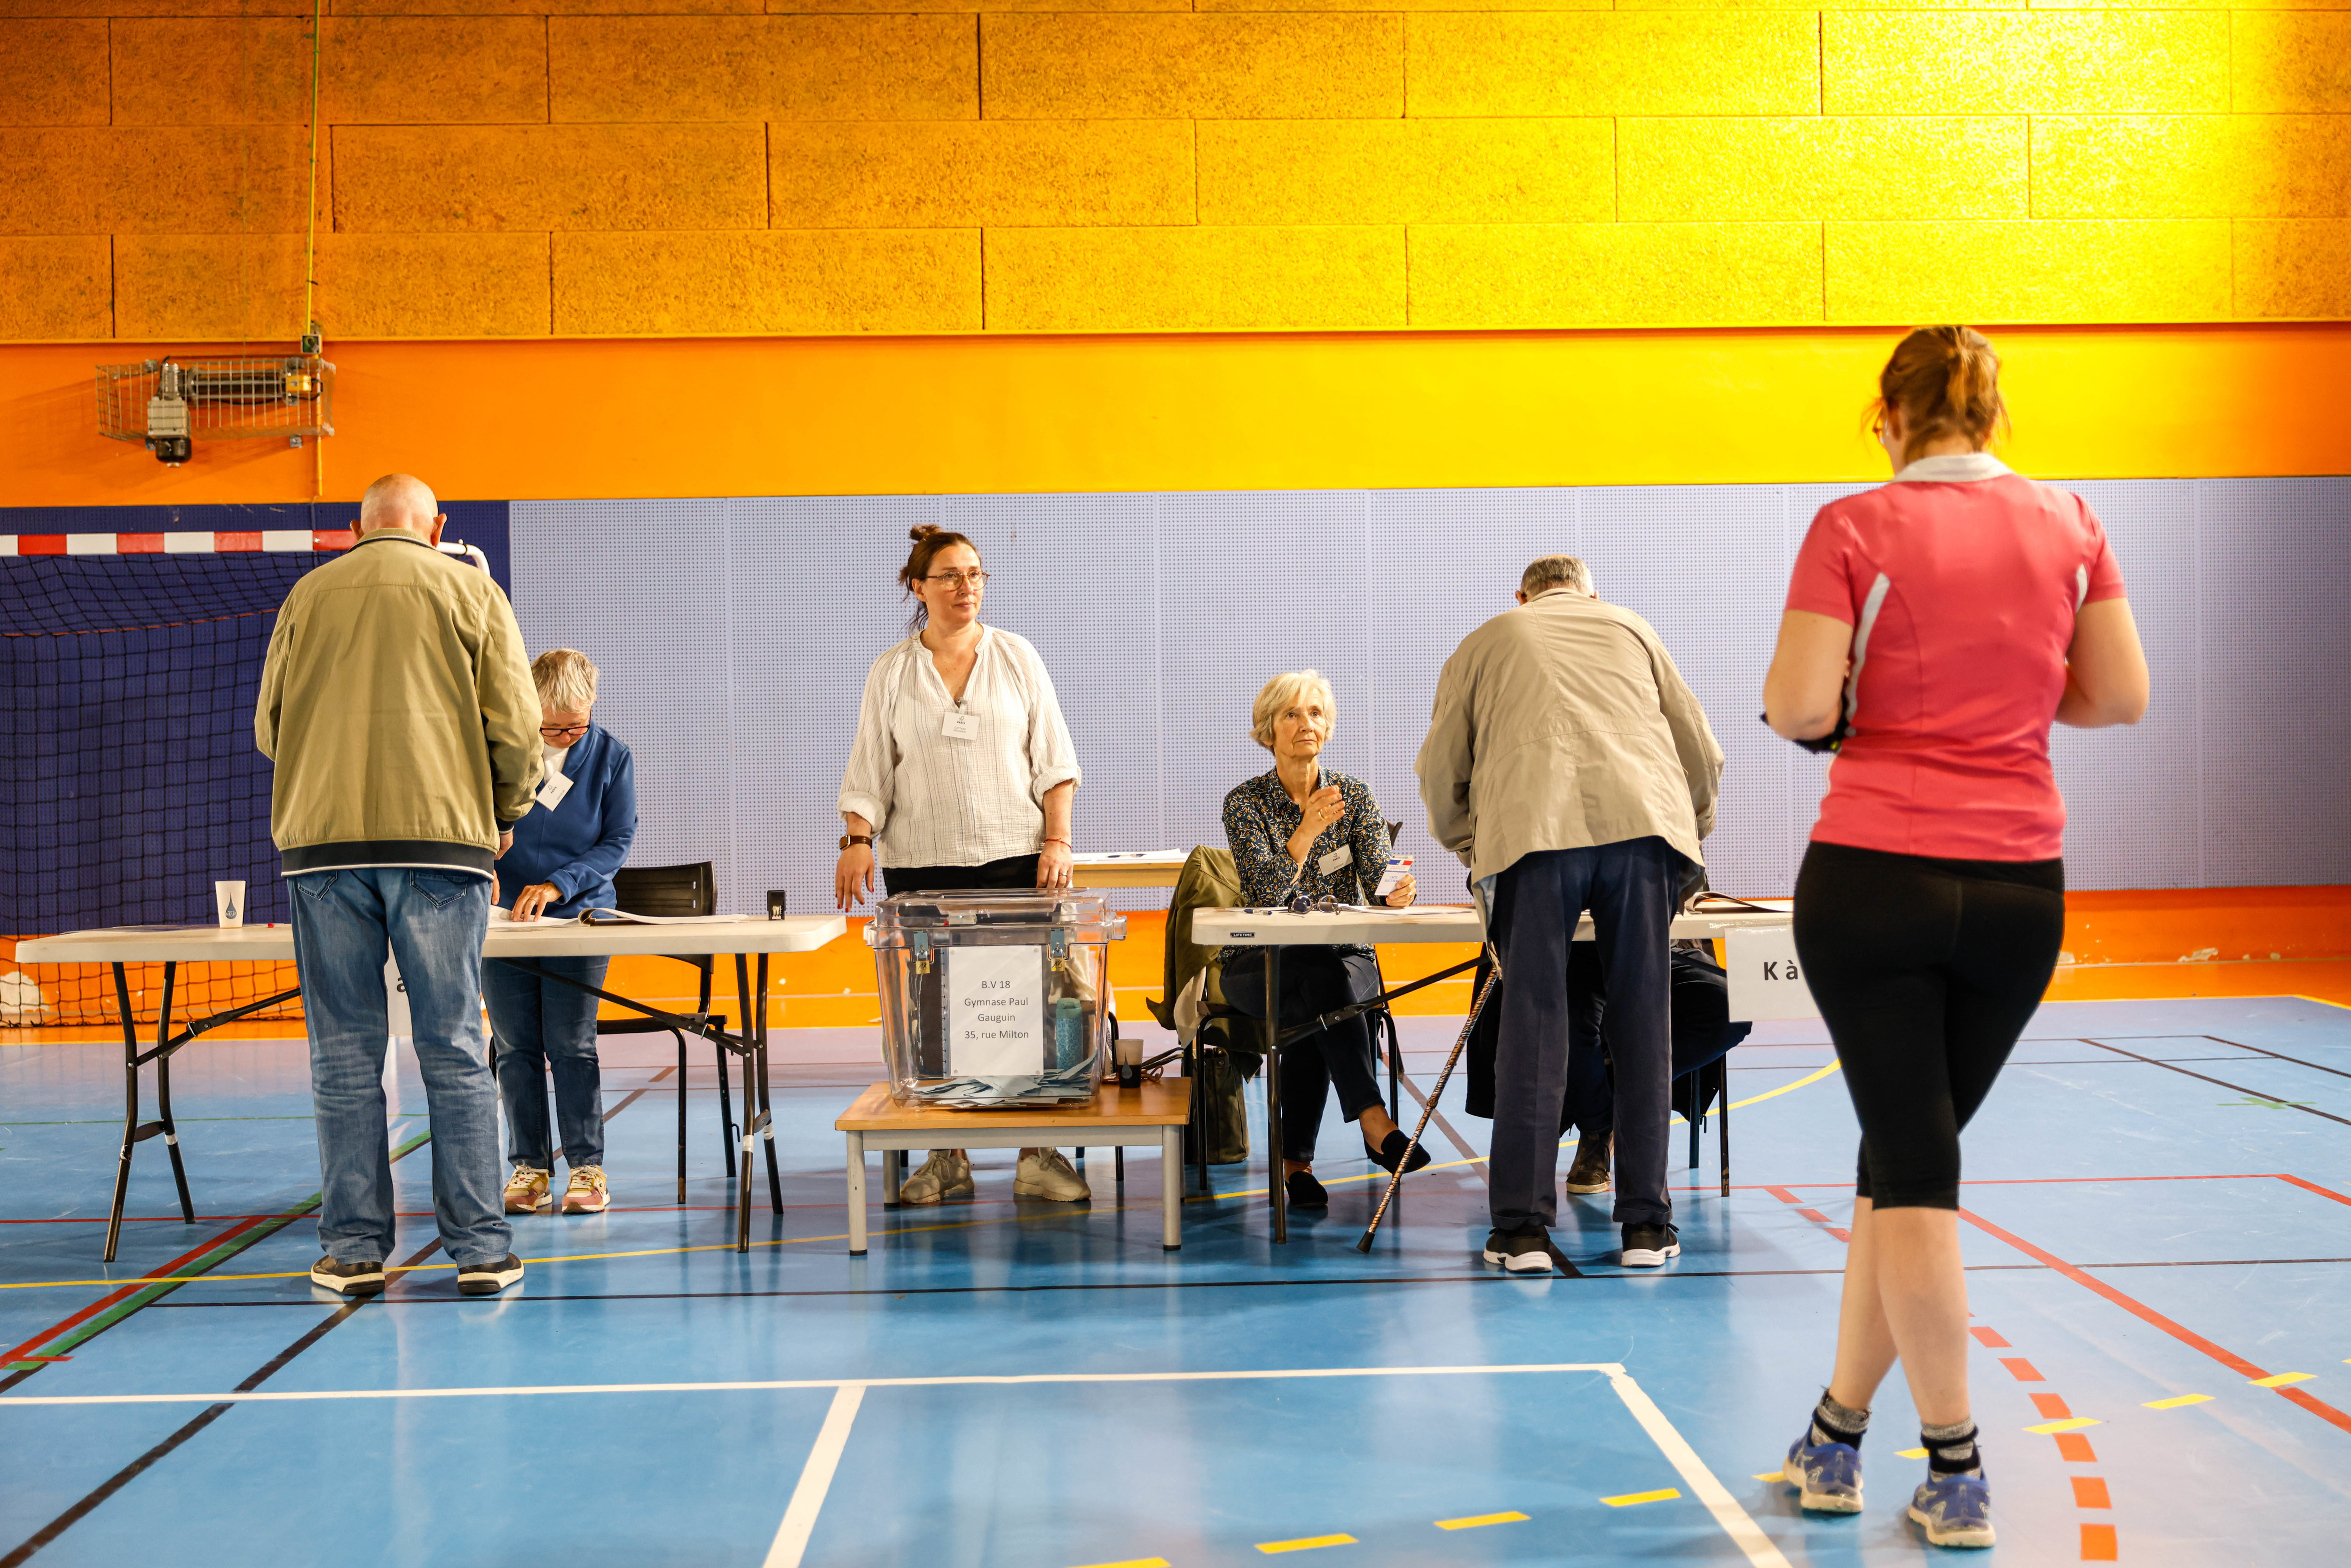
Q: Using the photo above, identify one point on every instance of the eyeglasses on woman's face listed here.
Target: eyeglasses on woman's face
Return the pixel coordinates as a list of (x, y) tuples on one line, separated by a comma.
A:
[(977, 578)]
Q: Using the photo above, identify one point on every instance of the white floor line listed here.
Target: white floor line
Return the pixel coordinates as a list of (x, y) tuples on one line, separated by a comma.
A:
[(257, 1396), (816, 1478), (1735, 1520)]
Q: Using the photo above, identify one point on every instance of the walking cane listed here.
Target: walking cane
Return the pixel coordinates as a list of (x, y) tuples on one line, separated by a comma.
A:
[(1428, 1106)]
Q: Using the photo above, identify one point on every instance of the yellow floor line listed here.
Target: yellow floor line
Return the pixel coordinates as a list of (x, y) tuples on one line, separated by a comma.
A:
[(1632, 1499), (2071, 1424), (2281, 1379), (2177, 1401), (1305, 1543), (1476, 1521)]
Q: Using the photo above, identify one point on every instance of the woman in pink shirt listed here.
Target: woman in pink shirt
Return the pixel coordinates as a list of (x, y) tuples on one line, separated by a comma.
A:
[(1935, 628)]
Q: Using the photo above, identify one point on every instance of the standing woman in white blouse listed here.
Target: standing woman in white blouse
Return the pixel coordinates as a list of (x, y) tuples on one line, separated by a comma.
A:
[(962, 775)]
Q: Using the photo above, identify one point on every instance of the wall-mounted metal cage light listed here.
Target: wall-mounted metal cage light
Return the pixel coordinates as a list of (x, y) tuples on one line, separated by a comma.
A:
[(170, 405)]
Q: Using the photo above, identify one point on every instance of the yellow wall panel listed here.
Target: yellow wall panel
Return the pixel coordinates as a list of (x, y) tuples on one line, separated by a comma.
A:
[(2295, 269), (2291, 61), (230, 71), (2043, 62), (1593, 275), (2192, 166), (1856, 5), (1396, 5), (433, 286), (548, 7), (964, 173), (2051, 270), (790, 281), (53, 72), (781, 8), (1208, 67), (402, 179), (1615, 63), (59, 286), (763, 67), (208, 286), (1406, 171), (1764, 168), (1195, 279), (154, 8), (197, 180)]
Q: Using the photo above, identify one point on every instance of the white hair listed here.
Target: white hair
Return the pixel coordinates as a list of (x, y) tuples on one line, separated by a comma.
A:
[(1276, 697), (567, 680), (1556, 571)]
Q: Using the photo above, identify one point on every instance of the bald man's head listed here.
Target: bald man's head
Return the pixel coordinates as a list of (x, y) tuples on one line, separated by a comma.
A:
[(398, 501)]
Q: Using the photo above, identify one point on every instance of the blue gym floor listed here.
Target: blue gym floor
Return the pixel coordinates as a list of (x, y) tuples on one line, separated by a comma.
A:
[(2157, 1193)]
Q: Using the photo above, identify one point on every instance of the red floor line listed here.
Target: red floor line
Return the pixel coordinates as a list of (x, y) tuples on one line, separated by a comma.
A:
[(133, 1288), (2313, 1187), (2139, 1309)]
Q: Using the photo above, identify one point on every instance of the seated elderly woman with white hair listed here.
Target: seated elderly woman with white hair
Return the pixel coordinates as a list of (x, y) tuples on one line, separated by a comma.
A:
[(1302, 829)]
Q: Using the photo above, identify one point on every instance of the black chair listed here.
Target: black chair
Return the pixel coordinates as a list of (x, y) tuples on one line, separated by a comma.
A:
[(678, 890)]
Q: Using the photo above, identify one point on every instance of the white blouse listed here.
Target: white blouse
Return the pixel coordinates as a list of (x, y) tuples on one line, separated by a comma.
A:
[(936, 800)]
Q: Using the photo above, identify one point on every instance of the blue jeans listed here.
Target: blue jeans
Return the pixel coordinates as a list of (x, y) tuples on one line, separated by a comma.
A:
[(1630, 888), (432, 922), (540, 1026)]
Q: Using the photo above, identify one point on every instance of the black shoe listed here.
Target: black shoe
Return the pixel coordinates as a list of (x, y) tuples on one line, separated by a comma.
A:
[(488, 1279), (348, 1278), (1386, 1155), (1646, 1246), (1521, 1251), (1305, 1192)]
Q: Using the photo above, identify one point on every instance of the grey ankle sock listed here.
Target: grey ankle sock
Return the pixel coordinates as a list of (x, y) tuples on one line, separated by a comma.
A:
[(1952, 1450), (1835, 1423)]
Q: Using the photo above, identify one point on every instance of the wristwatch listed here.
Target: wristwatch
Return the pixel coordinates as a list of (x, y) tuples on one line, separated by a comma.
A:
[(849, 838)]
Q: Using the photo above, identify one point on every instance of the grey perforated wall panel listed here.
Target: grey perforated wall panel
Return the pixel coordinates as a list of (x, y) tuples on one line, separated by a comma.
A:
[(736, 636)]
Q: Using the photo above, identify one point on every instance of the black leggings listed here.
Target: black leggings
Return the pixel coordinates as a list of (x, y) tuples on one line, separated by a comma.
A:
[(1925, 970), (1314, 980)]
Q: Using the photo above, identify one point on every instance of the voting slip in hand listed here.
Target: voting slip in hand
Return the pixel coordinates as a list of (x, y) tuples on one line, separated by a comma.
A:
[(501, 916), (622, 917)]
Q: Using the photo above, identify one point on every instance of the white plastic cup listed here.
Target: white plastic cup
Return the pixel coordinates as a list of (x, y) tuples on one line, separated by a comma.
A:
[(228, 897)]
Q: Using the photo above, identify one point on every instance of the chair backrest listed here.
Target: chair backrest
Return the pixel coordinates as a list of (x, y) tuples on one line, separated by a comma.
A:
[(671, 890), (1209, 880)]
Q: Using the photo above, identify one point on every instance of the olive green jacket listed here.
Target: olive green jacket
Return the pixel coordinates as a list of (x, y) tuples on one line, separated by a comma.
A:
[(399, 709), (1561, 725)]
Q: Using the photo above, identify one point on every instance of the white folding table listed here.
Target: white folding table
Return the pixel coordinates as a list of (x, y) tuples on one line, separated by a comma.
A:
[(173, 946), (1274, 929)]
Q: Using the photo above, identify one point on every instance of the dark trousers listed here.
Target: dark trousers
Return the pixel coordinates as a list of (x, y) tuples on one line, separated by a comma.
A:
[(1926, 971), (1013, 871), (1629, 887), (539, 1028), (1314, 980), (1703, 1032)]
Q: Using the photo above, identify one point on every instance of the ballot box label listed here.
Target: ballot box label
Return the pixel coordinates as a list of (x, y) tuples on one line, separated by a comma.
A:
[(1766, 980), (996, 1011)]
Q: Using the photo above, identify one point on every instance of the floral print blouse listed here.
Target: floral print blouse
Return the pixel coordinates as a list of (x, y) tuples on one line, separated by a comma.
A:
[(1260, 817)]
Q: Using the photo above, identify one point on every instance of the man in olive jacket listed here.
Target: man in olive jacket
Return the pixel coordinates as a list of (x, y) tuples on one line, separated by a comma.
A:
[(398, 708), (1571, 769)]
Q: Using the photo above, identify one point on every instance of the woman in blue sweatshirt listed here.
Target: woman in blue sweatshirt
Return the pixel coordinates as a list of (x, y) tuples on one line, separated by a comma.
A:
[(566, 848)]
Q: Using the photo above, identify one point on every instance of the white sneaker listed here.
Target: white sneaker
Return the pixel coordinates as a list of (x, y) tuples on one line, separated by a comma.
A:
[(1045, 1174), (945, 1177)]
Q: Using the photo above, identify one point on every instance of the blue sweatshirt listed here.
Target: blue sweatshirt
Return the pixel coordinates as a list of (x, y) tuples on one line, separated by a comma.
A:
[(579, 844)]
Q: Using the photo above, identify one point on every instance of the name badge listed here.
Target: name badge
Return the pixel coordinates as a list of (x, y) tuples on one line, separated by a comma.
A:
[(960, 725), (552, 792), (1340, 856)]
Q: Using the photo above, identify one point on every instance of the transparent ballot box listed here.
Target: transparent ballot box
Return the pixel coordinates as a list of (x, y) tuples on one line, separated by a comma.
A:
[(995, 1000)]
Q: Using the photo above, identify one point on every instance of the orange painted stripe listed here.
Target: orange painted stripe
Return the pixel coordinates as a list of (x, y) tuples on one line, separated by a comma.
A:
[(1783, 1195), (2098, 1543), (133, 1288), (1815, 1214), (1989, 1340), (2021, 1370), (1840, 1234), (2228, 1358), (2052, 1408), (2075, 1448), (2090, 1491)]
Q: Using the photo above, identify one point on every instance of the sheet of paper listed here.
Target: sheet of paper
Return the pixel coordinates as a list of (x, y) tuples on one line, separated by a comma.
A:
[(1399, 867), (995, 1010), (504, 916)]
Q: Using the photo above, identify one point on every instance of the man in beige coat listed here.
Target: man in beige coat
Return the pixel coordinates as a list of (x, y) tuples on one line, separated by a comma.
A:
[(1570, 767), (402, 715)]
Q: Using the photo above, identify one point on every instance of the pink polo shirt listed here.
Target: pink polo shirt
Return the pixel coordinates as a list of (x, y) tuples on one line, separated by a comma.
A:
[(1960, 580)]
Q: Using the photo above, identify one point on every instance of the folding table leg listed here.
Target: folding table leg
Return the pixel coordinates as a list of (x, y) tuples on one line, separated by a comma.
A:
[(894, 1171), (1118, 1163), (743, 1165), (1276, 1185), (164, 1096), (1171, 1187), (726, 1107), (129, 1108), (680, 1035), (1725, 1114), (766, 1105)]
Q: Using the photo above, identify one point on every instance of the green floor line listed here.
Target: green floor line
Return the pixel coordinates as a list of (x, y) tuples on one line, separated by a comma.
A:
[(117, 1121), (83, 1334)]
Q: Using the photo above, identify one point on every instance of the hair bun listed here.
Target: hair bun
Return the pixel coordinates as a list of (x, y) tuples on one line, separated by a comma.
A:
[(920, 533)]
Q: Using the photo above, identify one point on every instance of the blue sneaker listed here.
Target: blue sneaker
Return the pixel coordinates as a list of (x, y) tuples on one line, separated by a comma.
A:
[(1955, 1510), (1827, 1475)]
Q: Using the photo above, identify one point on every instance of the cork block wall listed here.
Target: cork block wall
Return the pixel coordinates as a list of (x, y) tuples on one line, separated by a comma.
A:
[(516, 168)]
